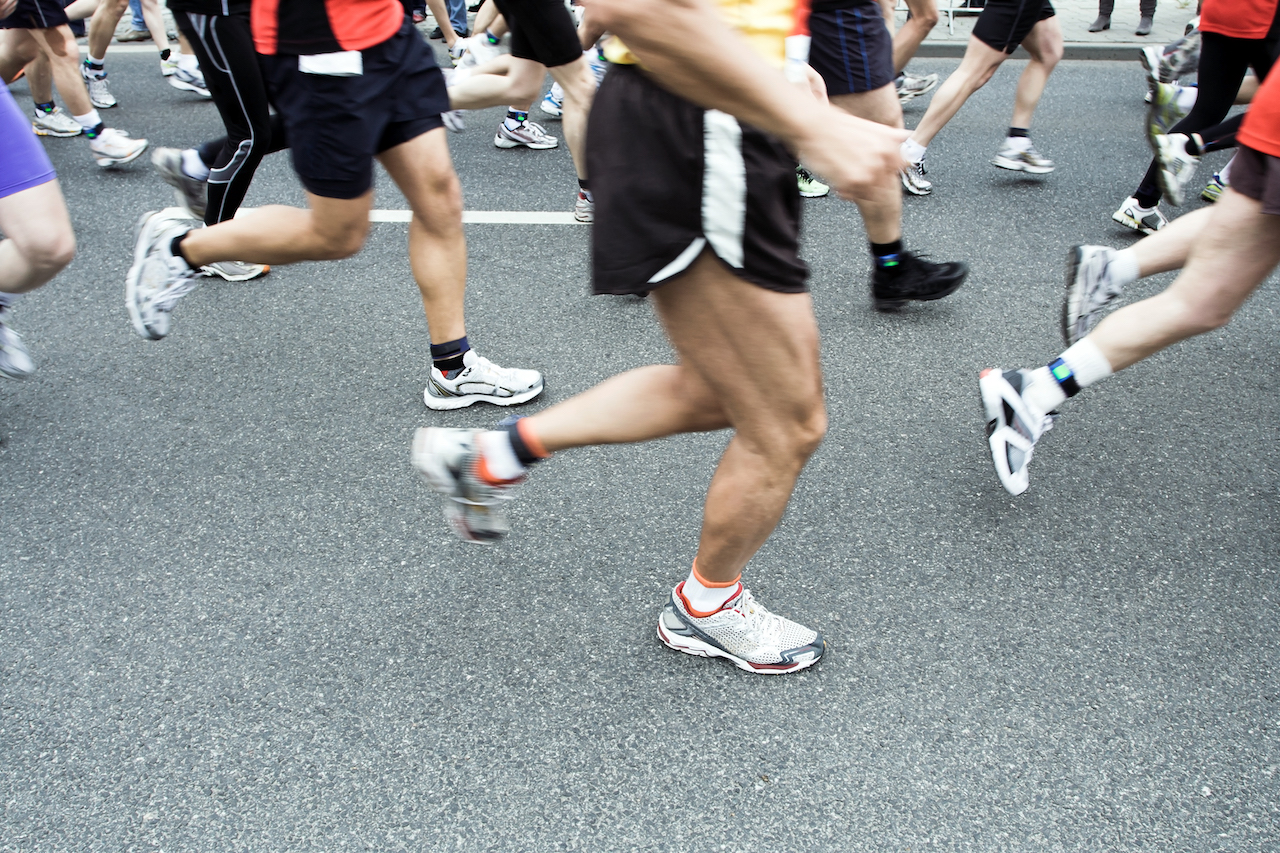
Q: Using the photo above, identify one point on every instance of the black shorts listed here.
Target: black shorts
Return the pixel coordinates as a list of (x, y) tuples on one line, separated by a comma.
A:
[(851, 48), (1257, 176), (1003, 24), (541, 30), (35, 15), (682, 179), (335, 125)]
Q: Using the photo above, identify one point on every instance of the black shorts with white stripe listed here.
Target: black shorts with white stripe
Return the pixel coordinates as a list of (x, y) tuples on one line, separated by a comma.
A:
[(671, 179), (35, 15)]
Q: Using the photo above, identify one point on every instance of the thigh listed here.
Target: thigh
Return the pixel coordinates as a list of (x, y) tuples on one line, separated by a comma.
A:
[(880, 105), (1238, 248), (1044, 42)]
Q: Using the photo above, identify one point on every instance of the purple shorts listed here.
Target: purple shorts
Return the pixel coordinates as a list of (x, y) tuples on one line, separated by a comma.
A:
[(23, 163)]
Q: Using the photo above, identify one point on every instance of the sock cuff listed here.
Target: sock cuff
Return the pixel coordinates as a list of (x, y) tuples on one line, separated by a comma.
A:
[(1123, 268), (712, 584), (524, 433), (1086, 362), (450, 348)]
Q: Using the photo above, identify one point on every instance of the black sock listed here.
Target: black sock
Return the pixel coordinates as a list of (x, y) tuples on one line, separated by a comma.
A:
[(511, 426), (1019, 131), (1145, 199), (175, 247), (518, 116), (164, 54), (887, 256), (1195, 145), (93, 132), (585, 185), (95, 67), (45, 108), (447, 357)]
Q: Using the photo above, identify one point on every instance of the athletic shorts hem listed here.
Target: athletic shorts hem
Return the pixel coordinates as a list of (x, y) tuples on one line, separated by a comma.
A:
[(541, 31), (1004, 24), (1256, 175), (851, 48), (35, 181)]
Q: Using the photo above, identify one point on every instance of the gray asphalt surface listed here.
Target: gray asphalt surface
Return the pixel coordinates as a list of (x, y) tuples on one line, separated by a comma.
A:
[(231, 617)]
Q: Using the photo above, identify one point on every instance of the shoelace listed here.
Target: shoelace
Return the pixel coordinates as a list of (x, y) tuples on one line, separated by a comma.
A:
[(760, 624), (485, 366), (187, 282)]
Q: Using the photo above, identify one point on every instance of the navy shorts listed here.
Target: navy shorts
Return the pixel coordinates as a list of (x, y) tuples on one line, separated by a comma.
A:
[(851, 48), (336, 125), (35, 15), (1003, 24)]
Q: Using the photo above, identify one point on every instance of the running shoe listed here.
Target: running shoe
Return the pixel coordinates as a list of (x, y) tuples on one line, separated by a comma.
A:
[(553, 102), (192, 194), (1148, 220), (447, 458), (479, 51), (910, 87), (1089, 290), (584, 208), (1027, 159), (15, 360), (134, 35), (481, 381), (55, 123), (1177, 167), (96, 82), (810, 187), (914, 181), (1214, 189), (1012, 427), (914, 279), (1165, 110), (455, 120), (599, 65), (190, 81), (456, 52), (113, 147), (529, 134), (235, 270), (158, 278), (169, 66), (742, 631), (1152, 59)]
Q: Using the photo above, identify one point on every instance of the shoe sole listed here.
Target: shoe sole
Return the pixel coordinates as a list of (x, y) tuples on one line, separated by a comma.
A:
[(212, 272), (60, 134), (804, 194), (188, 87), (108, 162), (909, 187), (1131, 223), (697, 648), (1074, 295), (446, 404), (131, 279), (990, 386), (503, 142), (1019, 166)]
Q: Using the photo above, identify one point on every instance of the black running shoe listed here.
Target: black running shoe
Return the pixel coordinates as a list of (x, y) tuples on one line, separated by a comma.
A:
[(914, 278)]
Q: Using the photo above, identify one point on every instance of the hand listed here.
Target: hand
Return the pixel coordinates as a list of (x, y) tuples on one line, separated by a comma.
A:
[(7, 7), (857, 157)]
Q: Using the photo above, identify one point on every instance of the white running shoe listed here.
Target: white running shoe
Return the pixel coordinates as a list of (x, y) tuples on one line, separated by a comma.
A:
[(56, 123), (1027, 159), (15, 360), (190, 81), (457, 51), (158, 278), (481, 381), (914, 181), (909, 86), (113, 147), (454, 120), (1148, 220), (192, 194), (235, 270), (447, 458), (529, 134), (584, 209), (1177, 167), (1089, 290), (742, 631), (553, 102), (96, 82), (169, 66), (478, 51), (1012, 427)]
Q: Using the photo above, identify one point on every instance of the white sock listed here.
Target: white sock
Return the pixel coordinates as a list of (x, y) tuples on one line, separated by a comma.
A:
[(499, 457), (96, 60), (193, 166), (1087, 362), (708, 599), (913, 150), (89, 120), (1018, 143), (1224, 174), (1187, 97), (1043, 393), (1122, 267), (188, 62)]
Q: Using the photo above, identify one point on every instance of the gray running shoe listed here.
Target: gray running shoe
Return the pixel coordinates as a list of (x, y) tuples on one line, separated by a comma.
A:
[(1148, 220), (96, 82), (914, 181), (15, 360), (481, 381), (1089, 290), (1027, 159), (113, 147), (158, 278), (584, 209), (189, 81), (1164, 111), (743, 632), (529, 134), (447, 458), (235, 270), (910, 87), (192, 194), (1177, 167), (56, 123)]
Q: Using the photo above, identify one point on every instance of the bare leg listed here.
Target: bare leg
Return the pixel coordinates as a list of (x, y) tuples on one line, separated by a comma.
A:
[(749, 361), (59, 45), (924, 17), (440, 12), (329, 230), (489, 19), (520, 85), (38, 240), (155, 24), (979, 63), (424, 172), (579, 86), (1044, 43), (882, 211), (1237, 249), (102, 26), (81, 9), (1168, 248)]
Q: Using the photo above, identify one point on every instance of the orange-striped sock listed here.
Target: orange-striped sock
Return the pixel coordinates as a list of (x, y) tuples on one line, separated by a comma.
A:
[(702, 597)]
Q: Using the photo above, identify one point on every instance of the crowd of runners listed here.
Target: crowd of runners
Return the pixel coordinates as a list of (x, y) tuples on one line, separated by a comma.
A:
[(697, 207)]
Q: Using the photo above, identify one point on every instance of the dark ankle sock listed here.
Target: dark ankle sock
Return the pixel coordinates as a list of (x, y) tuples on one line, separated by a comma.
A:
[(165, 54), (887, 255), (526, 456), (1146, 199), (45, 108), (518, 116), (92, 132), (447, 357), (1018, 131), (175, 247), (1195, 145), (491, 38)]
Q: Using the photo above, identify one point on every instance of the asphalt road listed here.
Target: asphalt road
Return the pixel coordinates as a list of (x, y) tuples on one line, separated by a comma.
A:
[(231, 617)]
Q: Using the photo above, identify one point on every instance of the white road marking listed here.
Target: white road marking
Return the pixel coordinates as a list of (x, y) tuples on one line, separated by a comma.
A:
[(478, 217)]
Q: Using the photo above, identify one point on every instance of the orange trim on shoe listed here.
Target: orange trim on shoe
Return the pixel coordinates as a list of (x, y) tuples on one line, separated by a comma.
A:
[(531, 441), (700, 614)]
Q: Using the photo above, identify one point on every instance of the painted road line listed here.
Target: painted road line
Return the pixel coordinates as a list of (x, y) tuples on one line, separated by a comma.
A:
[(478, 217)]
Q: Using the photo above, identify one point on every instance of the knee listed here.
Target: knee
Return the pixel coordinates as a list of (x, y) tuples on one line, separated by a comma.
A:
[(811, 429), (1051, 54), (444, 192), (928, 18), (51, 253), (341, 243), (524, 90)]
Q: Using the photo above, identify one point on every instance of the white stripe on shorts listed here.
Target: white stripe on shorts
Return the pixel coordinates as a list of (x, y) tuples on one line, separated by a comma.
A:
[(724, 187)]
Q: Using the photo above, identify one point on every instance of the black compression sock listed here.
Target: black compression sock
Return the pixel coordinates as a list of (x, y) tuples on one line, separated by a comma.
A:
[(448, 356), (887, 256), (1019, 131), (45, 108), (1146, 199)]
